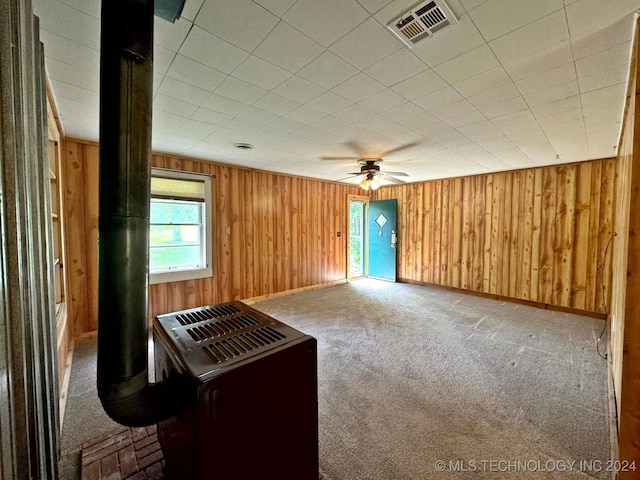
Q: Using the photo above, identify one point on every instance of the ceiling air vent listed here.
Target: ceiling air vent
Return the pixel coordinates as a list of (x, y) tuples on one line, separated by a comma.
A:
[(422, 21)]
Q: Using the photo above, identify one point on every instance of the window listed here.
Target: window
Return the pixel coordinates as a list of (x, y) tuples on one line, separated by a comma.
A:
[(180, 226)]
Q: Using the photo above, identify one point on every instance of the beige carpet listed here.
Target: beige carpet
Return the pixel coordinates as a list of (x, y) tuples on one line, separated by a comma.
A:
[(410, 376)]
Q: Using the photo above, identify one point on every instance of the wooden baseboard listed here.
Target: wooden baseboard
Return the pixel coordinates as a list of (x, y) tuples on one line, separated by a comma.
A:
[(613, 414), (64, 388), (530, 303), (269, 296)]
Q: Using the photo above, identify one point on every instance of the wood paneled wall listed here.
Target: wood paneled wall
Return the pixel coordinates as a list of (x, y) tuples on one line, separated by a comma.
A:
[(535, 234), (271, 233), (624, 350)]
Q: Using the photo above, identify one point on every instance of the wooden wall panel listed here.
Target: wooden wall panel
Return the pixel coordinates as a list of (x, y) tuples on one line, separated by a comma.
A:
[(535, 234), (271, 233), (624, 346)]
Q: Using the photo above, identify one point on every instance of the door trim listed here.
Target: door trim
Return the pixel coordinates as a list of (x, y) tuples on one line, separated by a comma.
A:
[(364, 199)]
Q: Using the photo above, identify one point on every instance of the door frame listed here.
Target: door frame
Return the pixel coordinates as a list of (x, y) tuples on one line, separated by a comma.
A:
[(365, 200)]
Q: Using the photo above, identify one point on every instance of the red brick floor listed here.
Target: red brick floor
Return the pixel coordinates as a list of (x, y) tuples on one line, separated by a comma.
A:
[(127, 454)]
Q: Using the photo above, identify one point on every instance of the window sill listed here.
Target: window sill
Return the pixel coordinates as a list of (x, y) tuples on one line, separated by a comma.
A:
[(180, 276)]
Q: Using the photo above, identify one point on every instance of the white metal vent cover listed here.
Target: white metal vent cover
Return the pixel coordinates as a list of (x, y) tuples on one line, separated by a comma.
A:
[(422, 21)]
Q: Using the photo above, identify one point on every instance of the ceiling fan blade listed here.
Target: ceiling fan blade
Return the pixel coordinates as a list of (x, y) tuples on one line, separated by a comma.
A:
[(399, 149), (356, 148), (397, 174), (347, 178), (338, 158), (392, 179)]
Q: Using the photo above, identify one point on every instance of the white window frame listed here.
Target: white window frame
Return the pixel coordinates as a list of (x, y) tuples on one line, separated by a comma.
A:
[(207, 228)]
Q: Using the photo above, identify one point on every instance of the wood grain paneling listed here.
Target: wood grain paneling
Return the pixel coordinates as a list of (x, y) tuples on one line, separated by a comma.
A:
[(271, 233), (535, 234), (624, 346)]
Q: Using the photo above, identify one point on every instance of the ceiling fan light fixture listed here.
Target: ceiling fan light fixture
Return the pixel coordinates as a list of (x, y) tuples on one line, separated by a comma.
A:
[(365, 184), (374, 184)]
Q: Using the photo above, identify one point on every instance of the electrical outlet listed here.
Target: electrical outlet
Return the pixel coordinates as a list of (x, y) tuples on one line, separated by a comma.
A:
[(444, 268), (228, 230)]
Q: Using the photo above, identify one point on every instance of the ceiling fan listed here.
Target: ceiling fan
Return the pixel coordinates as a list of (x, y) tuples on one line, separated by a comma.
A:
[(370, 167)]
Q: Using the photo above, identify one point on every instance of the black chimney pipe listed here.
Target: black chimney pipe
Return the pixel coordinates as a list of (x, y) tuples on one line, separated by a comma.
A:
[(126, 95)]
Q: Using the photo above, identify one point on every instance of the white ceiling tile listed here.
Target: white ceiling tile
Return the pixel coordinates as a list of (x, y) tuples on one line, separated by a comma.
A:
[(467, 65), (359, 87), (546, 32), (496, 77), (589, 15), (191, 9), (277, 7), (522, 121), (495, 95), (604, 79), (418, 85), (373, 6), (604, 60), (239, 90), (243, 126), (471, 4), (195, 73), (465, 119), (157, 81), (224, 105), (541, 153), (242, 23), (382, 101), (162, 59), (91, 7), (288, 48), (328, 70), (353, 113), (421, 120), (172, 105), (443, 96), (326, 21), (547, 79), (182, 91), (168, 119), (396, 67), (329, 103), (558, 107), (453, 109), (512, 155), (505, 108), (73, 92), (494, 20), (68, 22), (208, 49), (367, 44), (195, 129), (274, 103), (298, 89), (403, 112), (603, 39), (480, 130), (552, 94), (547, 59), (603, 101), (67, 51), (257, 115), (170, 35), (329, 124), (450, 43), (594, 123), (210, 117), (72, 75), (260, 73)]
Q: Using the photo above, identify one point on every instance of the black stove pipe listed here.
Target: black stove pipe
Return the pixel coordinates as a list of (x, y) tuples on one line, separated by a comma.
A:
[(126, 95)]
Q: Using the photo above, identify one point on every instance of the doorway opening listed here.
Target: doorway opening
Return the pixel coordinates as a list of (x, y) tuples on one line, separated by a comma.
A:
[(357, 238)]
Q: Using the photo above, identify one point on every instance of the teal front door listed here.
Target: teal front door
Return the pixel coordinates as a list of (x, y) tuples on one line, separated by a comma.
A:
[(383, 239)]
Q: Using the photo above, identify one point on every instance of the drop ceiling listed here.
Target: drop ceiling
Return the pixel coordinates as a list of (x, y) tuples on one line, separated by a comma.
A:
[(513, 84)]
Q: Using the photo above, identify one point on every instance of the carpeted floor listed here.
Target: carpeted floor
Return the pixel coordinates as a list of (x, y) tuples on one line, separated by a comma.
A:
[(409, 376)]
